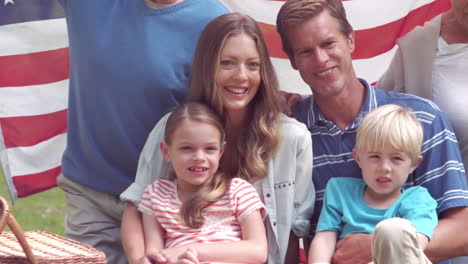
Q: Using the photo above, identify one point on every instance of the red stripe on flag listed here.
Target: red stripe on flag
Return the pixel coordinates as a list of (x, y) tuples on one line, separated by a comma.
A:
[(273, 40), (286, 0), (382, 38), (34, 68), (34, 183), (30, 130)]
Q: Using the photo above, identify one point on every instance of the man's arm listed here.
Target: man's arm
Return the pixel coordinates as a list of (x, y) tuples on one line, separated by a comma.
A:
[(353, 249), (449, 239), (443, 174)]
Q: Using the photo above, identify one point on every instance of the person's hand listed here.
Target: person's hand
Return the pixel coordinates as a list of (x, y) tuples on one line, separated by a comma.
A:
[(288, 101), (155, 257), (176, 255), (143, 260), (189, 257), (353, 249)]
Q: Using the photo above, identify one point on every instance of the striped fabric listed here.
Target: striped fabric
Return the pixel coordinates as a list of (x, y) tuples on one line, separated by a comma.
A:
[(33, 93), (222, 218), (34, 72)]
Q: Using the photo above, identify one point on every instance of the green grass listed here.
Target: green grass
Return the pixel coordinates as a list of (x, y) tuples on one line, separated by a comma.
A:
[(42, 211)]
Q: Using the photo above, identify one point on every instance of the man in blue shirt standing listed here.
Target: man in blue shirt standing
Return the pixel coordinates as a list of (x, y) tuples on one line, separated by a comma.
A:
[(319, 42), (129, 64)]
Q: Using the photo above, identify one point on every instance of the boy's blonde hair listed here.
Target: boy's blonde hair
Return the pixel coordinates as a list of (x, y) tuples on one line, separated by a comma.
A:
[(390, 124)]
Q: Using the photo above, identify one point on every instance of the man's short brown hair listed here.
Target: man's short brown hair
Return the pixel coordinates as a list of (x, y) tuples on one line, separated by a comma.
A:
[(295, 12)]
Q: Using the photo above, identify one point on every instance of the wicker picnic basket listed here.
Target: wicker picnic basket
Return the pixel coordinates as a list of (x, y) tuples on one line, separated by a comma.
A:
[(40, 246)]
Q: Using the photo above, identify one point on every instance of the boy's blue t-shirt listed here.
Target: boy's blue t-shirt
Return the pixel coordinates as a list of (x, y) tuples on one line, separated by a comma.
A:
[(345, 211)]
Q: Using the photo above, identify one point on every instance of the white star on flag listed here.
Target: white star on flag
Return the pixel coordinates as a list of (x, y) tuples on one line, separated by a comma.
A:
[(9, 1)]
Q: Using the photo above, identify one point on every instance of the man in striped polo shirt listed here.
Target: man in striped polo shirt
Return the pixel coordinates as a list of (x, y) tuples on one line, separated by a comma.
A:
[(319, 42)]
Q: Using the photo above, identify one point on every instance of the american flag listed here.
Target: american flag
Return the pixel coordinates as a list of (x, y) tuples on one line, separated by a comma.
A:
[(34, 72)]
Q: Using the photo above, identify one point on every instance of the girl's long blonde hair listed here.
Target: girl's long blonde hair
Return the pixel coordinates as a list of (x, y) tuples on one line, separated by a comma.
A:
[(215, 187), (260, 138)]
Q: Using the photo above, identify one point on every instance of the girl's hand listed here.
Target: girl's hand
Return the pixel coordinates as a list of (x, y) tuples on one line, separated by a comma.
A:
[(156, 257), (144, 260), (177, 254), (189, 257)]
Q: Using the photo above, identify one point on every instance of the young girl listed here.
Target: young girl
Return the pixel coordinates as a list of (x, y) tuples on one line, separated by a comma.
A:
[(232, 73), (199, 204)]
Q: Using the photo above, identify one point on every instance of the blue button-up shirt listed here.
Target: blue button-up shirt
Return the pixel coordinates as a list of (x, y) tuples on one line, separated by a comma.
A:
[(441, 170)]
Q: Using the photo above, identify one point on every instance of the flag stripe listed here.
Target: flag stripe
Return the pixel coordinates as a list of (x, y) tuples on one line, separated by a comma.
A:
[(386, 33), (369, 69), (289, 79), (365, 14), (35, 68), (30, 130), (40, 157), (362, 14), (33, 94), (37, 182), (33, 100), (31, 37)]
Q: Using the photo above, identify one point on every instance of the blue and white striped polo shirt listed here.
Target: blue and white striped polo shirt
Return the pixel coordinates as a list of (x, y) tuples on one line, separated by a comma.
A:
[(441, 170)]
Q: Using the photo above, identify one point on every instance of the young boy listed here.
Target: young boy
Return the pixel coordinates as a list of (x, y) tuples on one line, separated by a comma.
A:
[(388, 149)]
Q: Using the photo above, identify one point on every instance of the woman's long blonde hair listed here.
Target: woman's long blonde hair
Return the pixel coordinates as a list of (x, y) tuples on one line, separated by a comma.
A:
[(260, 138), (215, 187)]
